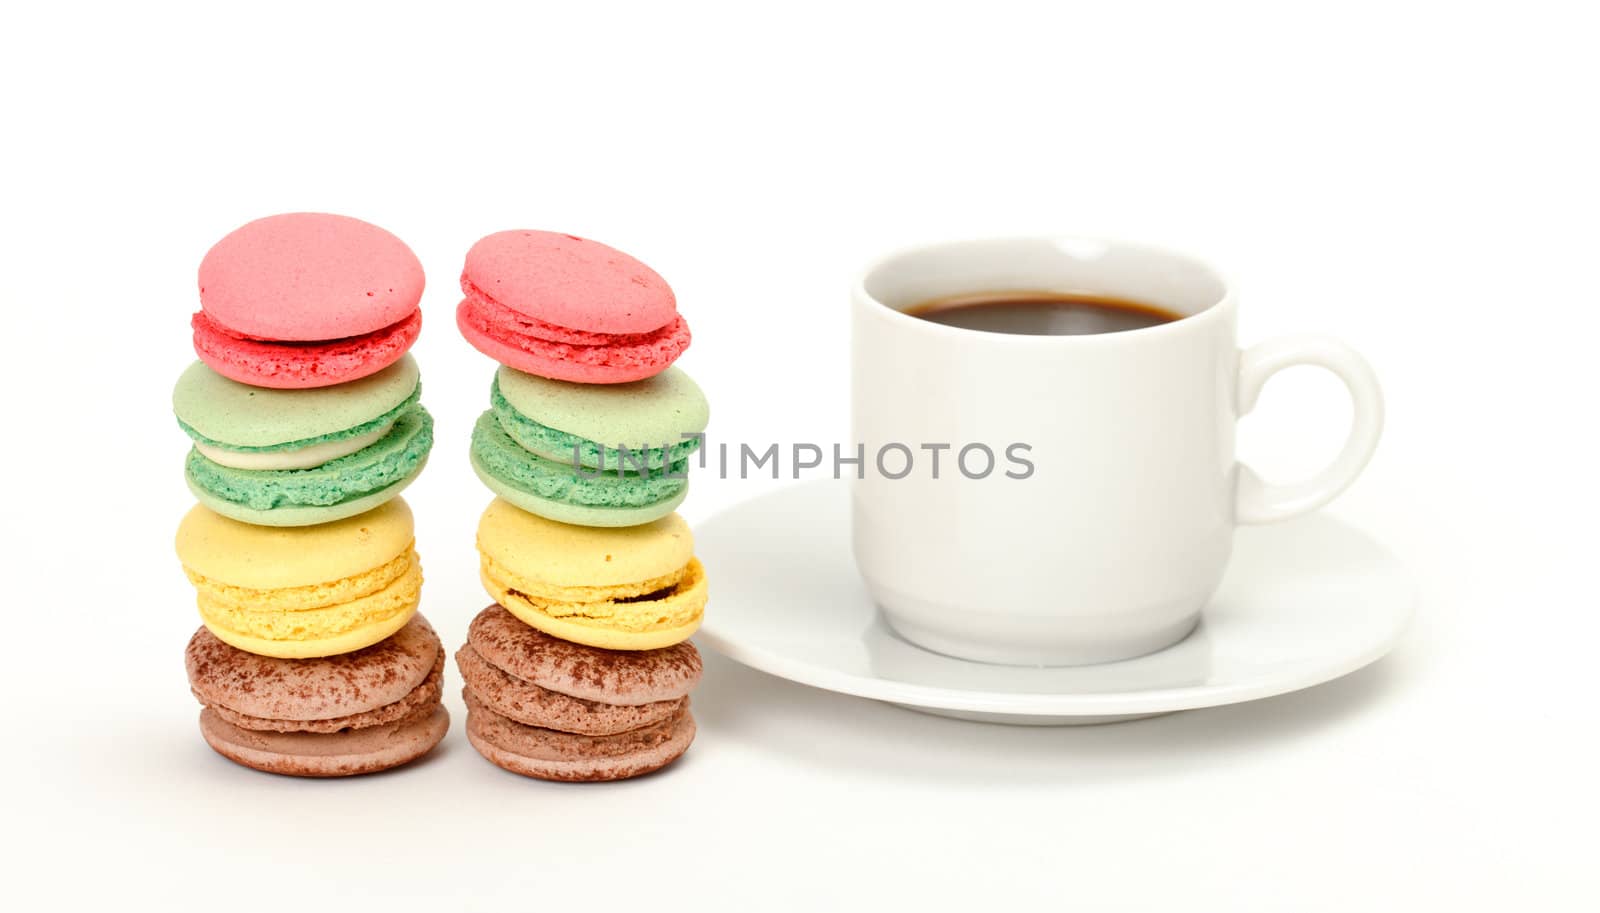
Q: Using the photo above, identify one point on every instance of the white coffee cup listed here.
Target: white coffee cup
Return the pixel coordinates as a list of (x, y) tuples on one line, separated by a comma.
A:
[(1115, 541)]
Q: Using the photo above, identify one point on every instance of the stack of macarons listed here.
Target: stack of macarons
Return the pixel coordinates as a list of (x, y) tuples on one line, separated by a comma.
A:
[(305, 420), (581, 669)]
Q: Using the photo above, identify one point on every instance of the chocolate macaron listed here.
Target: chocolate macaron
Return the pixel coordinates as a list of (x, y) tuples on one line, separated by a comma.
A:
[(548, 708), (354, 713)]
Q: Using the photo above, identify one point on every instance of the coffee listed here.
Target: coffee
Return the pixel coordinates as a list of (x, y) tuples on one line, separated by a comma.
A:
[(1042, 313)]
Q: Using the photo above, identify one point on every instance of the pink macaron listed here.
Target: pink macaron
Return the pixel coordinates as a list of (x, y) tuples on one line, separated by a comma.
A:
[(568, 308), (307, 299)]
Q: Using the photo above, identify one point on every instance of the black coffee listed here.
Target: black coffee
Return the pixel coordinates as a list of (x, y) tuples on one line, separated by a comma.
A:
[(1042, 313)]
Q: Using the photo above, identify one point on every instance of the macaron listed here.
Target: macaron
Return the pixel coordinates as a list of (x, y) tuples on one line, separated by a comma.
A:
[(590, 454), (546, 708), (568, 308), (303, 591), (307, 299), (618, 588), (301, 457), (525, 674), (336, 716)]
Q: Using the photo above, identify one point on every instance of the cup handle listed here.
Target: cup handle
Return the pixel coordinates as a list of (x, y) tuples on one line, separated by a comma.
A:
[(1257, 501)]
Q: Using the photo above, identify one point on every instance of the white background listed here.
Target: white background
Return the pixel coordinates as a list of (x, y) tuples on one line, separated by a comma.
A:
[(1418, 179)]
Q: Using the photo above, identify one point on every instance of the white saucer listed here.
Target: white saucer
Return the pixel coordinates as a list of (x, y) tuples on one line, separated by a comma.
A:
[(1303, 602)]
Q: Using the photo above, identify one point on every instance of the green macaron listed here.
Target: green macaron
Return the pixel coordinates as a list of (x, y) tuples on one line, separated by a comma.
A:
[(590, 454), (297, 457)]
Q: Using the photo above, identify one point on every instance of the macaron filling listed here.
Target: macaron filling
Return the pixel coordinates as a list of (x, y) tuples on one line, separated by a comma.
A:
[(495, 453), (397, 456), (554, 444), (293, 458)]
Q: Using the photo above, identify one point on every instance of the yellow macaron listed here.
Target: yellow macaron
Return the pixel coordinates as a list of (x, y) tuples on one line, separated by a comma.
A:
[(303, 591), (618, 588)]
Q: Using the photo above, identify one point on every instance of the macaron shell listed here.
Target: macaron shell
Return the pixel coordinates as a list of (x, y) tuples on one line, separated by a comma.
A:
[(611, 364), (341, 754), (301, 367), (579, 515), (605, 638), (614, 677), (306, 276), (538, 550), (546, 754), (217, 410), (346, 641), (289, 517), (316, 689), (265, 558), (569, 281)]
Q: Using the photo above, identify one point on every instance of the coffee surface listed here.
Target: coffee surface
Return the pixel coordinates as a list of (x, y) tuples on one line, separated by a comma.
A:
[(1042, 313)]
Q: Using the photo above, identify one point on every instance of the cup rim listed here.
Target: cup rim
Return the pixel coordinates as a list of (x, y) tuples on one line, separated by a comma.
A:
[(896, 316)]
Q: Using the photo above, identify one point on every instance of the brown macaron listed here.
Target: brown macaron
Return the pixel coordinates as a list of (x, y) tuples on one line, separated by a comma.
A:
[(544, 707), (361, 712)]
